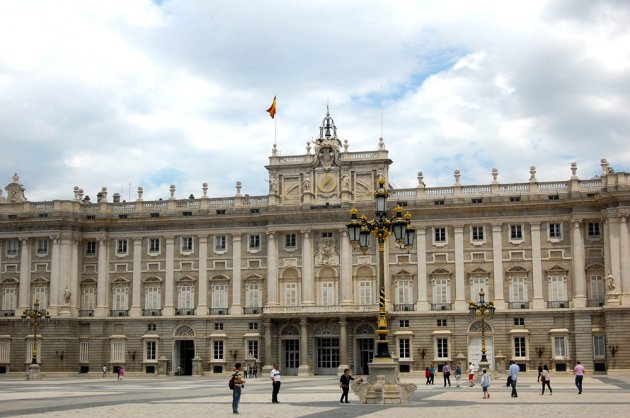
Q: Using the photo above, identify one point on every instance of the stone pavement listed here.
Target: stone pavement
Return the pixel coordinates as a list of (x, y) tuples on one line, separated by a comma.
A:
[(317, 397)]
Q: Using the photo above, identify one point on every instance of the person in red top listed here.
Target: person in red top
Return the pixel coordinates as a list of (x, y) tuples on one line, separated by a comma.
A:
[(579, 376)]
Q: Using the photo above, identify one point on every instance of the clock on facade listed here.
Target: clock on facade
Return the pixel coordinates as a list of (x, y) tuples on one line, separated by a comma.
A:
[(327, 183)]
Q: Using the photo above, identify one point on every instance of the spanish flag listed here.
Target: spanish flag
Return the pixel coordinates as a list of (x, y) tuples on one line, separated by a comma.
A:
[(272, 109)]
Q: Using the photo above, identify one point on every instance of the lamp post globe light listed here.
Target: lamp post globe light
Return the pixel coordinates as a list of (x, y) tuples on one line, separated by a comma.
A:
[(35, 316), (484, 309), (359, 231)]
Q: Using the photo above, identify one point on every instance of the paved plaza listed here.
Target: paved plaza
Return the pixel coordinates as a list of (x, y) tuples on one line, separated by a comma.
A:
[(302, 397)]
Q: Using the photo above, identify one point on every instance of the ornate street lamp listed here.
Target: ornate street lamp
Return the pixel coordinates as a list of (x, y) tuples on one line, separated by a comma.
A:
[(484, 309), (35, 316), (359, 231)]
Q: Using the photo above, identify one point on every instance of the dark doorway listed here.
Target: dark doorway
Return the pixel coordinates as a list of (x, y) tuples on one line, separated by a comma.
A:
[(186, 355), (366, 354)]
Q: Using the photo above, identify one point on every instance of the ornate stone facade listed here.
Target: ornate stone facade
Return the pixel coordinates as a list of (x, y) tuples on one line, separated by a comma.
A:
[(198, 284)]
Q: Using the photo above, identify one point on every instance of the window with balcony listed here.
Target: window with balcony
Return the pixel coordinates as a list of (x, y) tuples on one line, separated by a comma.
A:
[(403, 295), (152, 299), (253, 298), (328, 293), (441, 295), (477, 284), (121, 298), (290, 294), (40, 293), (596, 290), (557, 292), (88, 300), (9, 300), (219, 301), (365, 292)]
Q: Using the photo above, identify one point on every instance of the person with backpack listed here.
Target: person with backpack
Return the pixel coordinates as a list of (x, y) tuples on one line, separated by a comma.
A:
[(236, 383)]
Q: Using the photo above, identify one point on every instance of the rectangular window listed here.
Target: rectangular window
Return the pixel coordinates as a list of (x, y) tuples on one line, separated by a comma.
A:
[(519, 347), (151, 347), (441, 322), (439, 234), (186, 296), (42, 246), (327, 234), (121, 246), (84, 352), (218, 326), (253, 326), (290, 294), (152, 298), (90, 248), (218, 350), (519, 321), (557, 289), (121, 298), (254, 242), (154, 245), (477, 233), (365, 293), (253, 295), (118, 351), (554, 231), (442, 348), (560, 347), (9, 299), (516, 232), (187, 244), (88, 299), (219, 296), (404, 323), (403, 292), (5, 351), (12, 247), (40, 294), (599, 346), (151, 327), (518, 289), (597, 287), (404, 348), (593, 230), (290, 241), (441, 291), (220, 243), (252, 348), (328, 293), (477, 284)]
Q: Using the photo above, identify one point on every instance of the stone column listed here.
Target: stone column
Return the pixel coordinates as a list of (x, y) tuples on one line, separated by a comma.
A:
[(304, 369), (537, 274), (308, 273), (346, 268), (136, 286), (237, 306), (202, 307), (613, 247), (75, 287), (102, 281), (577, 253), (421, 253), (65, 263), (268, 354), (53, 291), (272, 270), (460, 280), (25, 275), (497, 264), (343, 345), (169, 275), (624, 245)]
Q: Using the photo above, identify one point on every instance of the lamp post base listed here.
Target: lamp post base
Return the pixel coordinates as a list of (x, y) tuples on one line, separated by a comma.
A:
[(383, 385), (34, 372)]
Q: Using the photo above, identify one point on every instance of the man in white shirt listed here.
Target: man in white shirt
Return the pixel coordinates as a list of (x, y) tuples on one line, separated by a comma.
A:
[(275, 381), (513, 372)]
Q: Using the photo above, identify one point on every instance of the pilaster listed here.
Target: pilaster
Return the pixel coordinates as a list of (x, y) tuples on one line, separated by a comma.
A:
[(539, 302), (136, 285), (202, 307), (25, 274), (308, 282), (272, 271), (497, 264), (346, 268), (577, 252), (460, 296), (102, 282), (304, 369), (421, 252), (169, 286), (237, 307)]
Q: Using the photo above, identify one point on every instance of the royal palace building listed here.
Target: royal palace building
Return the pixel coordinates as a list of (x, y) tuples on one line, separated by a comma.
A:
[(191, 285)]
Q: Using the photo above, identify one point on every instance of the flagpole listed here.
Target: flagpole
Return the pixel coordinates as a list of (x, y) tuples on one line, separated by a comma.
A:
[(275, 134)]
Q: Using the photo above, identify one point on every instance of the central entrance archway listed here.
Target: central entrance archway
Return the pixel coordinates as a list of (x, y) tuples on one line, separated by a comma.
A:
[(327, 349), (183, 351)]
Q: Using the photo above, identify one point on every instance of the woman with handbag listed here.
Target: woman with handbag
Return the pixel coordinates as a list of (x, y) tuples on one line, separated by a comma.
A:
[(545, 378)]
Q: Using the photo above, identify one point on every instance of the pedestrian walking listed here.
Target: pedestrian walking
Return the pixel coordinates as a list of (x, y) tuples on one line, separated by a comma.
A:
[(427, 374), (471, 374), (104, 370), (121, 373), (513, 372), (275, 382), (545, 378), (540, 370), (446, 371), (485, 384), (579, 376), (118, 373), (239, 384), (432, 374), (255, 371), (344, 384), (458, 375)]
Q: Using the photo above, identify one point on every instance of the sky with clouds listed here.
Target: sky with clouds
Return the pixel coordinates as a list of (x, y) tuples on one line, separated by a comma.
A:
[(154, 93)]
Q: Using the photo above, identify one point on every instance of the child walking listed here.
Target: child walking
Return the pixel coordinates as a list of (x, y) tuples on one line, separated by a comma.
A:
[(485, 384)]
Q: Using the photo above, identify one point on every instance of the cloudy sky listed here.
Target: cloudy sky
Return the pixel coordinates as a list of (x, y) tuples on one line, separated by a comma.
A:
[(153, 93)]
